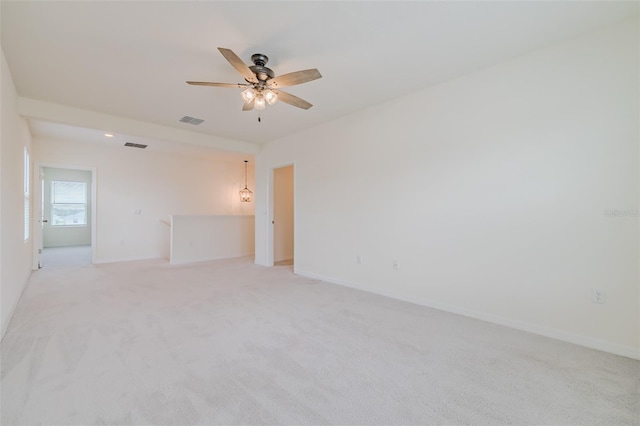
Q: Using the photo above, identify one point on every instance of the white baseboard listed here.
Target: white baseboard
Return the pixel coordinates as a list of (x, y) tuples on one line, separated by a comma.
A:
[(186, 262), (126, 259), (589, 342), (209, 259)]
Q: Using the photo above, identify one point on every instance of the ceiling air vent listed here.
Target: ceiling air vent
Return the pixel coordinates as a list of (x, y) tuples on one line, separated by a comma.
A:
[(191, 120), (135, 145)]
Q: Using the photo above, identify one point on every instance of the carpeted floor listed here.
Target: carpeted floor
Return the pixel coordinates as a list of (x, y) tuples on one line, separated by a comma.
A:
[(229, 342), (64, 257)]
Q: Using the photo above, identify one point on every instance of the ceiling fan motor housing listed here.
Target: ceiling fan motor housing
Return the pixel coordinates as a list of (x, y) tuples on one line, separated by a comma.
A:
[(262, 73)]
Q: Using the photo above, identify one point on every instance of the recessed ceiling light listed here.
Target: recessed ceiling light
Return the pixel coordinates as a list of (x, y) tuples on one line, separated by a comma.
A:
[(109, 135)]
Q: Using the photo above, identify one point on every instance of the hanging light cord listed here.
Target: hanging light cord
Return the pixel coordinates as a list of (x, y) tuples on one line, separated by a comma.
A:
[(245, 173)]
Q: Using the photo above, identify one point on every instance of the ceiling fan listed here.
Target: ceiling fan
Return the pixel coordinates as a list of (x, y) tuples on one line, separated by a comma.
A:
[(262, 86)]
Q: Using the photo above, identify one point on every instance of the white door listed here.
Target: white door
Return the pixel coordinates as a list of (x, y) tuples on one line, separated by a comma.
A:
[(38, 229)]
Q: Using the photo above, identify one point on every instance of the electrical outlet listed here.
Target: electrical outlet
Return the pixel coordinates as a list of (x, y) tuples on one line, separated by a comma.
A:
[(396, 265), (597, 296), (359, 259)]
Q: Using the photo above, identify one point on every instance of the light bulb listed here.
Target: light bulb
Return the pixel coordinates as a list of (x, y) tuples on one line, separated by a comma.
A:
[(248, 95), (270, 96), (259, 103)]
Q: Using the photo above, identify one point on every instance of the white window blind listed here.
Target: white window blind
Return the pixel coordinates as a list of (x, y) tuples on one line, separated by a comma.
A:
[(68, 203)]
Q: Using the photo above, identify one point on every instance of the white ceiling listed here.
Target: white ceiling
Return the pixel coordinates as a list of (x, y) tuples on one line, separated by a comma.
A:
[(131, 59)]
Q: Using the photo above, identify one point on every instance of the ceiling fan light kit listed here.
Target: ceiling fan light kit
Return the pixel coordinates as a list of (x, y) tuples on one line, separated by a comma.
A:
[(262, 87), (248, 95), (259, 102), (270, 96)]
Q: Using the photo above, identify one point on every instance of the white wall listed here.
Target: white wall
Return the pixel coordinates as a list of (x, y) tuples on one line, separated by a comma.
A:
[(63, 236), (489, 190), (156, 183), (201, 238), (15, 252), (283, 213)]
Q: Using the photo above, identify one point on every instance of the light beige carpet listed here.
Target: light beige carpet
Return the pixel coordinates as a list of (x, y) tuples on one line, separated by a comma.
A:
[(64, 257), (228, 342)]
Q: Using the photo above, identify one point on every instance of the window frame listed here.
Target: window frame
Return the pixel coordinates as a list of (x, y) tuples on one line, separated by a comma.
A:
[(85, 204)]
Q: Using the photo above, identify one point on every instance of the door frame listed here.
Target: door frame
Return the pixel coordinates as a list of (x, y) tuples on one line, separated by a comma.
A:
[(37, 207), (270, 234)]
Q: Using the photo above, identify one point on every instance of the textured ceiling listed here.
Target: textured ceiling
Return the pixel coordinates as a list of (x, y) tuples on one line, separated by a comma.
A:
[(131, 59)]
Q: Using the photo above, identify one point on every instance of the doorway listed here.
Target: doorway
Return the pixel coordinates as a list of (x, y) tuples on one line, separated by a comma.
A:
[(65, 201), (283, 216)]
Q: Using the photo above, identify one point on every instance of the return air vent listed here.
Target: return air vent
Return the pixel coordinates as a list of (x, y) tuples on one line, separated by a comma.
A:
[(191, 120), (136, 145)]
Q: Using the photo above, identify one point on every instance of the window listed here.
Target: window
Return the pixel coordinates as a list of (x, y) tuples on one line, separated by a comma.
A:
[(27, 203), (68, 203)]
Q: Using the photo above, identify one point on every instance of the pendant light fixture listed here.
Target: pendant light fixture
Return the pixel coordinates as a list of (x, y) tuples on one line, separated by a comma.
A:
[(245, 194)]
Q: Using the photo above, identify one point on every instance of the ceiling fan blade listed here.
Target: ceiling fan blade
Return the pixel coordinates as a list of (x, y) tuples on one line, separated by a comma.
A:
[(207, 83), (237, 63), (288, 98), (294, 78), (248, 106)]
